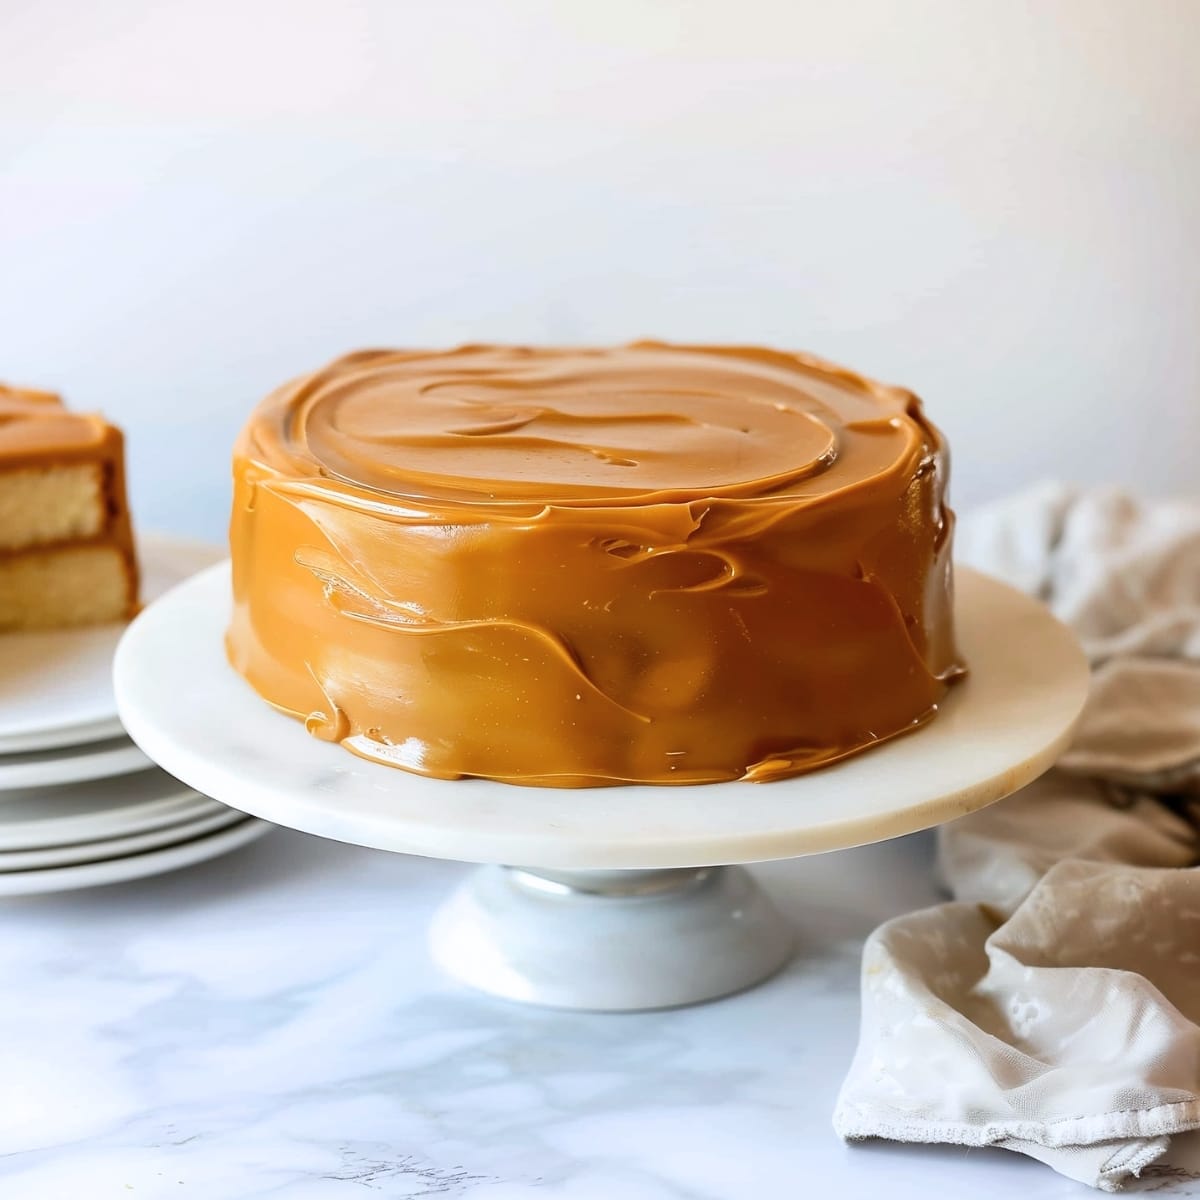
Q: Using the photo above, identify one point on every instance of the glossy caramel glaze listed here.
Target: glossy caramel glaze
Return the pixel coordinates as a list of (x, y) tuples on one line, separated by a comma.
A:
[(37, 432), (658, 564)]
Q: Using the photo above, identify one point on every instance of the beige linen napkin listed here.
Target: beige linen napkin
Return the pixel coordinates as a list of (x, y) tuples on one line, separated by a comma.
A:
[(1054, 1006)]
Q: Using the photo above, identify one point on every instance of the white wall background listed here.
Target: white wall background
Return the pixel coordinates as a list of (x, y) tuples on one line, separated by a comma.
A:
[(993, 202)]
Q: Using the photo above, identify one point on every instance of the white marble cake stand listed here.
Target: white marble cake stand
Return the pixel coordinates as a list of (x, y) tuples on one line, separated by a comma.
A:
[(609, 898)]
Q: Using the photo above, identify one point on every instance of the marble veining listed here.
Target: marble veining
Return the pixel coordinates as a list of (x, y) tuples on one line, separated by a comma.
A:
[(270, 1025)]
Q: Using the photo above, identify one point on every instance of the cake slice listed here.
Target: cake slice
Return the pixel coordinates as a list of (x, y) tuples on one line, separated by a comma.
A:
[(66, 546)]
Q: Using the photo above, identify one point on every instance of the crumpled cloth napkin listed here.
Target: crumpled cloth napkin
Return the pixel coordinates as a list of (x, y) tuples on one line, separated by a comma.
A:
[(1053, 1007)]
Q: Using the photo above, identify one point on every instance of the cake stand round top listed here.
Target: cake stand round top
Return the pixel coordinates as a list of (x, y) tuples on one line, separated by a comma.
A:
[(996, 731)]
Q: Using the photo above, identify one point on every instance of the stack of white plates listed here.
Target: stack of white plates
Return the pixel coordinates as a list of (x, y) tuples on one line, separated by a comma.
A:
[(80, 804)]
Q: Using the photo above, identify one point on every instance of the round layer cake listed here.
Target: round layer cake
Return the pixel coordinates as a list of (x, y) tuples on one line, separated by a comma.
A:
[(653, 564)]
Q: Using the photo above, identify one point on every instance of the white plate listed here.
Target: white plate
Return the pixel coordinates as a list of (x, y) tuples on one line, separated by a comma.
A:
[(134, 866), (52, 739), (35, 818), (117, 847), (56, 685), (71, 764)]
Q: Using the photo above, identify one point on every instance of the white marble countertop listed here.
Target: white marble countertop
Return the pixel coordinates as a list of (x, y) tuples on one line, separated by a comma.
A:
[(269, 1025)]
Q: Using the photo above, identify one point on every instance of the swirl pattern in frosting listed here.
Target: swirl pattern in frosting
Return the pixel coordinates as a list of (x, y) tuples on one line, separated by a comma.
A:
[(663, 564)]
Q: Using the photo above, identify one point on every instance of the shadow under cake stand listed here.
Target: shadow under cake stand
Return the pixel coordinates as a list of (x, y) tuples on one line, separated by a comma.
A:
[(605, 898)]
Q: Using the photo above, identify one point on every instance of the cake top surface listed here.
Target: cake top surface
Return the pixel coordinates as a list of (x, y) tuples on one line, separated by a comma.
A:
[(35, 426), (644, 423)]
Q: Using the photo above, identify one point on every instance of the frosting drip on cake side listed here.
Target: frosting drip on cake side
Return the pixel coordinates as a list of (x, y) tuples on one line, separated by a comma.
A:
[(571, 567)]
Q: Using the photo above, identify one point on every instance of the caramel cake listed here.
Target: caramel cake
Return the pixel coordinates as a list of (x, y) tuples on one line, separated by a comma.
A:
[(66, 547), (656, 564)]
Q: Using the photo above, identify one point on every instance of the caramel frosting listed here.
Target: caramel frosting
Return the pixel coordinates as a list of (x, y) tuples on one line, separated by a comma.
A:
[(35, 428), (571, 567)]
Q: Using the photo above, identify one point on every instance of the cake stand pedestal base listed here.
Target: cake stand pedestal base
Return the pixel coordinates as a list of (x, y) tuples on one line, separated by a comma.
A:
[(610, 940)]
